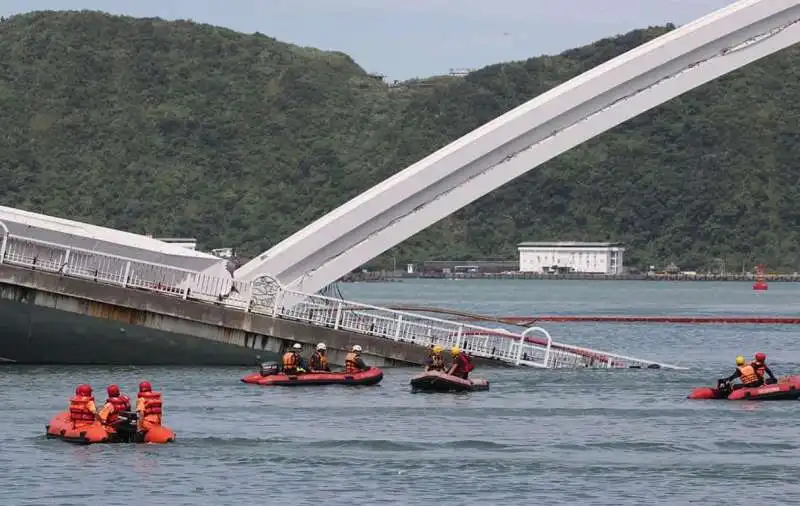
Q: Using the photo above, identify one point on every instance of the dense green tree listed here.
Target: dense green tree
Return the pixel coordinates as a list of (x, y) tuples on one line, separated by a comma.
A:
[(177, 128)]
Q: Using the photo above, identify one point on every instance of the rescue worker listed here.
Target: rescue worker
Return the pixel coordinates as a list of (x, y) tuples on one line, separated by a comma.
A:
[(436, 362), (746, 373), (353, 362), (116, 403), (319, 360), (148, 407), (759, 363), (429, 357), (461, 364), (82, 409), (292, 362)]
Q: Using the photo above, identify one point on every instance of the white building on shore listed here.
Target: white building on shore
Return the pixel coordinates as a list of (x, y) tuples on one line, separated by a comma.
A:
[(564, 257)]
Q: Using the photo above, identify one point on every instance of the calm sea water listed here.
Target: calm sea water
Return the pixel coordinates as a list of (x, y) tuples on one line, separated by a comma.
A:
[(551, 437)]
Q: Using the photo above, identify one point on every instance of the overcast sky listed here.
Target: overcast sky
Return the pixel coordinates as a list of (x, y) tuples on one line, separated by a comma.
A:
[(411, 38)]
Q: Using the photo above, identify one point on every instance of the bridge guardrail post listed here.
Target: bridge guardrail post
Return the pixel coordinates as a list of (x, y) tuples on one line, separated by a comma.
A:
[(249, 302), (338, 317), (398, 324), (277, 301), (126, 274), (189, 283), (65, 264), (4, 242)]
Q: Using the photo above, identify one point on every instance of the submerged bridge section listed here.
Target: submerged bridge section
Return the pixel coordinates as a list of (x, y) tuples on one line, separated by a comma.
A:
[(136, 294), (525, 138)]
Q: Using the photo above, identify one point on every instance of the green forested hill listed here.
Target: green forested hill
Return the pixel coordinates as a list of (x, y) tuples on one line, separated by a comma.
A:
[(175, 128)]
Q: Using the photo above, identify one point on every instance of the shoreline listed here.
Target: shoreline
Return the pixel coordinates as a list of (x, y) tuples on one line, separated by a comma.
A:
[(390, 278)]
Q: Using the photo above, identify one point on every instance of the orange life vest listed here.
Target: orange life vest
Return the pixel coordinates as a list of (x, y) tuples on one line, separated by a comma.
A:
[(79, 411), (152, 406), (120, 403), (437, 362), (760, 368), (747, 374), (289, 360), (351, 363), (318, 362)]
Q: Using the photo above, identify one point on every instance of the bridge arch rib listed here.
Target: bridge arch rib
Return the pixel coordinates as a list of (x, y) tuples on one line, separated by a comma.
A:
[(526, 137)]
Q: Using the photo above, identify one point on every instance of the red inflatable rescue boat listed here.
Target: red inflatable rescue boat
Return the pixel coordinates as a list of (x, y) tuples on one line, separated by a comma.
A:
[(436, 381), (269, 375), (787, 388), (61, 427)]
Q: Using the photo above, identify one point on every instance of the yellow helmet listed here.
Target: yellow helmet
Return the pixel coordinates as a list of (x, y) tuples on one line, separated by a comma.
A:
[(455, 350), (437, 349), (740, 360)]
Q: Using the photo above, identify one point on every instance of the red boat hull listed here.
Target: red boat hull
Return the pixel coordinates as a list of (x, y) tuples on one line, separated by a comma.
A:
[(371, 376), (435, 381), (60, 427), (787, 388)]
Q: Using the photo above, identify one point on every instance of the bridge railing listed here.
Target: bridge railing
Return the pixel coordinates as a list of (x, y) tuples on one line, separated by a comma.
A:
[(400, 326), (499, 344), (122, 271)]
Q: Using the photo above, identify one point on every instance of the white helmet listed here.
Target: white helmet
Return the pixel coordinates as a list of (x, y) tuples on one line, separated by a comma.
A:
[(297, 346), (356, 348), (321, 347)]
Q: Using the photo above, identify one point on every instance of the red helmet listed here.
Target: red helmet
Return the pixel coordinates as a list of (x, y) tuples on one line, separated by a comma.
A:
[(145, 386), (113, 390), (85, 390), (760, 357)]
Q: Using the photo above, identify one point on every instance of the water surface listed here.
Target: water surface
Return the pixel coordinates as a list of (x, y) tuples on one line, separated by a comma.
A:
[(551, 437)]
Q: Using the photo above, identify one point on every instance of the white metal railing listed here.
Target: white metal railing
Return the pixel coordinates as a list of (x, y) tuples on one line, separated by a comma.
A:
[(401, 326), (266, 296), (3, 241)]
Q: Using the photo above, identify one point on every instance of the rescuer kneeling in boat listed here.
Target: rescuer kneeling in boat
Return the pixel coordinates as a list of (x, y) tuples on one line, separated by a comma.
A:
[(760, 365), (461, 364), (82, 409), (148, 407), (746, 373), (115, 405), (429, 356), (353, 362), (319, 360), (435, 361), (292, 362)]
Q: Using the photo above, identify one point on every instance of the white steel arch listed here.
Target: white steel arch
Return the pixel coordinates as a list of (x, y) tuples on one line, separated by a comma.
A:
[(525, 138)]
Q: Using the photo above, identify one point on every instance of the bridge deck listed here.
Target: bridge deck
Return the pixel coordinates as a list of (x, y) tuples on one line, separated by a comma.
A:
[(267, 299)]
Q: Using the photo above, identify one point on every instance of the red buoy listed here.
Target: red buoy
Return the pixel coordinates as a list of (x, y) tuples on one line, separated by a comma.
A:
[(761, 283)]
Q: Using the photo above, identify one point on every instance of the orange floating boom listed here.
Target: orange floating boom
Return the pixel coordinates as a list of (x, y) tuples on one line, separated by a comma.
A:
[(526, 321), (762, 320)]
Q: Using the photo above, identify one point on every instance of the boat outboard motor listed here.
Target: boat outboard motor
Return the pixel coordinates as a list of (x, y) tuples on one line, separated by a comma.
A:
[(268, 368)]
